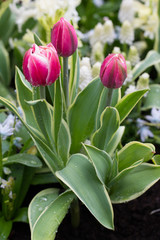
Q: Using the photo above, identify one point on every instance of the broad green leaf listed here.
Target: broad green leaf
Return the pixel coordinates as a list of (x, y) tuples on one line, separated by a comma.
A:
[(51, 158), (44, 178), (4, 65), (6, 92), (109, 124), (134, 151), (64, 142), (79, 175), (39, 203), (82, 113), (151, 59), (21, 215), (127, 103), (102, 162), (7, 19), (44, 117), (23, 158), (111, 147), (133, 182), (152, 99), (116, 96), (74, 76), (48, 207), (58, 110), (5, 228), (24, 94)]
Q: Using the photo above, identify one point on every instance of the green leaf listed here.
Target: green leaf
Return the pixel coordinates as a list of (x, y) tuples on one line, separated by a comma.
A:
[(58, 110), (44, 178), (111, 147), (102, 162), (116, 96), (74, 76), (44, 117), (24, 94), (5, 76), (64, 142), (134, 151), (156, 159), (5, 228), (152, 99), (21, 215), (51, 158), (79, 175), (109, 124), (82, 113), (23, 158), (48, 207), (151, 59), (133, 182), (8, 20), (127, 103), (37, 40)]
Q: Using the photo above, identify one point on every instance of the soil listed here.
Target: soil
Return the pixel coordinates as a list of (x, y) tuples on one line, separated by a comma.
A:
[(135, 220)]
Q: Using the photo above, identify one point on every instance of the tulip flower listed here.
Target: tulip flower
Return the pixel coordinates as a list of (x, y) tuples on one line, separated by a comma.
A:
[(64, 38), (113, 71), (41, 65)]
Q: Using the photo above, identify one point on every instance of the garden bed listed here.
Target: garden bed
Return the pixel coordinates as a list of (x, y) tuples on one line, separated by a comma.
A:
[(133, 220)]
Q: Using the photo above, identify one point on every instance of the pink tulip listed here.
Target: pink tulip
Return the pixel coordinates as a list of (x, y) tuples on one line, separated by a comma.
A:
[(113, 71), (64, 38), (41, 65)]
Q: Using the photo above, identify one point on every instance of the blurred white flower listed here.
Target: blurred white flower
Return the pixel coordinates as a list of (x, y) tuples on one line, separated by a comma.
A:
[(108, 33), (7, 127), (127, 10), (129, 73), (155, 116), (116, 50), (97, 53), (126, 33), (96, 69), (98, 3), (96, 35), (143, 131), (133, 55), (130, 89), (26, 9), (150, 26), (85, 73)]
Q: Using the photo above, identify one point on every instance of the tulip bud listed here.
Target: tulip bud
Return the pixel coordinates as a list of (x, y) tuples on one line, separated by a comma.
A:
[(64, 38), (113, 71), (41, 65)]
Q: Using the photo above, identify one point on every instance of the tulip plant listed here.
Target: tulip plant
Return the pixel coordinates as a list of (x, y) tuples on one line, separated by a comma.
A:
[(78, 133)]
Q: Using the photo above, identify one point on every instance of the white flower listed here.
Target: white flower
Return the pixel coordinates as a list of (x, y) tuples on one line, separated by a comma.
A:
[(126, 33), (130, 89), (155, 116), (129, 73), (97, 34), (116, 50), (127, 11), (108, 34), (85, 73), (143, 131), (98, 3), (7, 127), (133, 55), (3, 183), (97, 53), (96, 69)]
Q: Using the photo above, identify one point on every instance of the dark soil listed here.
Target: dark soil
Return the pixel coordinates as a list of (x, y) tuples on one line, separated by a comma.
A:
[(134, 220)]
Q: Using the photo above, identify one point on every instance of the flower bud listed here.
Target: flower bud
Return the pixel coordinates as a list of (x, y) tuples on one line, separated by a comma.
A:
[(113, 71), (64, 38), (41, 65)]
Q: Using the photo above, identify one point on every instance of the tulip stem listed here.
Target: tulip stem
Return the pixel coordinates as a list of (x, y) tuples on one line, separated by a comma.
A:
[(65, 80), (109, 97), (42, 92)]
